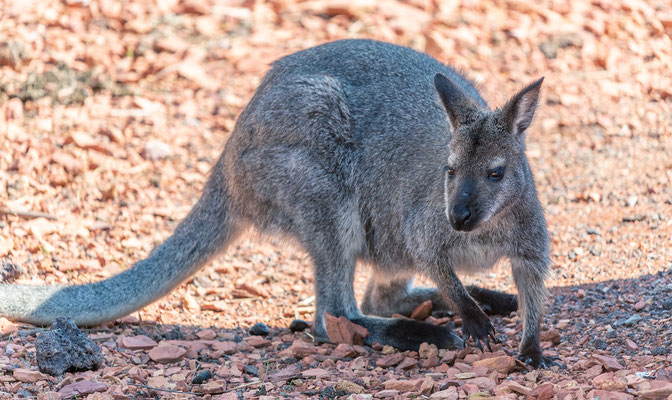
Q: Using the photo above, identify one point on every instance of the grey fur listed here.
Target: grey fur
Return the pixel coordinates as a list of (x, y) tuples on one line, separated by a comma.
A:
[(344, 147)]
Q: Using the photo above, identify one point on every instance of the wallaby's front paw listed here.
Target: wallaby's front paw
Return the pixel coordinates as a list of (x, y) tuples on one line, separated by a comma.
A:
[(538, 360), (477, 325)]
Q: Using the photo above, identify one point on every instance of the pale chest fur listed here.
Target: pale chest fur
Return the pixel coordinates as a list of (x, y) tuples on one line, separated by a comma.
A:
[(473, 257)]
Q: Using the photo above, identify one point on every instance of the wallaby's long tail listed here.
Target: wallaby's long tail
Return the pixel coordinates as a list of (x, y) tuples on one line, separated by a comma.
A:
[(201, 235)]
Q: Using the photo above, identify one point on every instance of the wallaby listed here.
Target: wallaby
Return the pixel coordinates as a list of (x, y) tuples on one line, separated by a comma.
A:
[(361, 151)]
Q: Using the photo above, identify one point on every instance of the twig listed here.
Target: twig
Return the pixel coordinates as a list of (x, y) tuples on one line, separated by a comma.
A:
[(26, 214), (243, 386), (166, 390)]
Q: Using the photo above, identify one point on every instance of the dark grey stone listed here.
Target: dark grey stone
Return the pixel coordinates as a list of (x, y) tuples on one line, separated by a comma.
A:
[(298, 325), (201, 377), (259, 329), (65, 348)]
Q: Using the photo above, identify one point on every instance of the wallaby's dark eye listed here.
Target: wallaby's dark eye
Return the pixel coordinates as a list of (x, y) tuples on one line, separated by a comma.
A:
[(496, 174), (450, 171)]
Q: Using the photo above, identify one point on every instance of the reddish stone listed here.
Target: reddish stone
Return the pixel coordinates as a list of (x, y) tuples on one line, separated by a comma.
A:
[(28, 376), (422, 311), (413, 385), (316, 373), (140, 342), (609, 363), (503, 364), (408, 363), (344, 350), (257, 341), (298, 349), (550, 335), (81, 388), (542, 392), (341, 330), (390, 360), (166, 353)]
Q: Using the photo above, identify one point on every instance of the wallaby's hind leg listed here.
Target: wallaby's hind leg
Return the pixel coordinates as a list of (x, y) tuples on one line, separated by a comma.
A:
[(283, 189), (385, 297)]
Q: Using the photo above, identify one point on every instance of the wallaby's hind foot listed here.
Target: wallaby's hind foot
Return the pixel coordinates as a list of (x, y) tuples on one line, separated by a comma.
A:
[(403, 334), (493, 302)]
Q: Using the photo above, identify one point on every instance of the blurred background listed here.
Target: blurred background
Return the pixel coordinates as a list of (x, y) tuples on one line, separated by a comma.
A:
[(112, 112)]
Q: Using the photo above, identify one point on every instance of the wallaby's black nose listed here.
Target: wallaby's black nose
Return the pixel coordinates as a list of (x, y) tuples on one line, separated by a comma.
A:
[(460, 217)]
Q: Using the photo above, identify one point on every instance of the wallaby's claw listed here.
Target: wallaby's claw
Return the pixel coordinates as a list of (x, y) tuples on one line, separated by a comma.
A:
[(493, 336), (537, 361), (479, 329)]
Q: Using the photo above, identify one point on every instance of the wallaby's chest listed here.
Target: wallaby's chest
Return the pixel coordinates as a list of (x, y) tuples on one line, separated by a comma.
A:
[(475, 257)]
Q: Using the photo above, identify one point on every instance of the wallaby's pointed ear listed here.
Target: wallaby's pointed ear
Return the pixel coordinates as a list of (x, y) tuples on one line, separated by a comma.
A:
[(455, 101), (519, 111)]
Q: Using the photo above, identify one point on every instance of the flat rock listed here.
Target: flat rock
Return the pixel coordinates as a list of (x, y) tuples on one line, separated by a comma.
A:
[(166, 353), (408, 363), (29, 376), (411, 385), (258, 341), (513, 386), (316, 373), (298, 349), (65, 348), (387, 394), (140, 342), (448, 394), (610, 363), (390, 360), (503, 364), (207, 334), (81, 388), (284, 374)]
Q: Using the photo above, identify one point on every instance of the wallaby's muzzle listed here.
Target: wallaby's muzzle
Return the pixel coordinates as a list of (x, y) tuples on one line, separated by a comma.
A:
[(462, 215)]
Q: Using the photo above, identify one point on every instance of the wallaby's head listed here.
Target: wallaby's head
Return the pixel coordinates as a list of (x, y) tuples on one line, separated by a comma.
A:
[(486, 169)]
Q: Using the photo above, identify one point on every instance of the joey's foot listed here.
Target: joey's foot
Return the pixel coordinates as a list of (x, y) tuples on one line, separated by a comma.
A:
[(537, 360), (477, 325)]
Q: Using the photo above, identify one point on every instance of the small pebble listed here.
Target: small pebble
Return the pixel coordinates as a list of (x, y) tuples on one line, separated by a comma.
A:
[(298, 325), (632, 320), (201, 377), (259, 329), (667, 304), (252, 370)]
